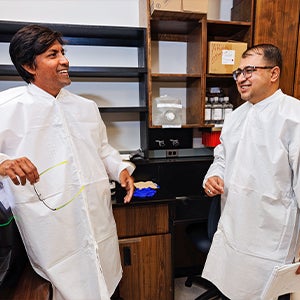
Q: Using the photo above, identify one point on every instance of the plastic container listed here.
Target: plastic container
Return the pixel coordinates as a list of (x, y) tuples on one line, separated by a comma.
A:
[(211, 139), (167, 112)]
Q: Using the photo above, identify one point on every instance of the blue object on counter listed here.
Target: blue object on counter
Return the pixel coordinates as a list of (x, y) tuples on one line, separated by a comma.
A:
[(145, 192)]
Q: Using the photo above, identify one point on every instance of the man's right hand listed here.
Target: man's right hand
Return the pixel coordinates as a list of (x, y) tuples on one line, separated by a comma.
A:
[(19, 170), (214, 186)]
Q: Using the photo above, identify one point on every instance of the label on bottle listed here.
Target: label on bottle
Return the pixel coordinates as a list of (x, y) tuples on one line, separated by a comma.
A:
[(217, 114), (227, 111)]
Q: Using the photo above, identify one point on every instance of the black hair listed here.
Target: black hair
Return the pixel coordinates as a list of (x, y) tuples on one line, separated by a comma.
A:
[(270, 53), (27, 43)]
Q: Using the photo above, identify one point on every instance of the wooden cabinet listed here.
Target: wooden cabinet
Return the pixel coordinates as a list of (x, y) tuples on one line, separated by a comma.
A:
[(173, 29), (277, 22), (194, 31), (145, 248)]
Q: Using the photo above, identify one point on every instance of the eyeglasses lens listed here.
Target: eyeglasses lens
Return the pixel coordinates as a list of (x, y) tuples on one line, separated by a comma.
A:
[(247, 72)]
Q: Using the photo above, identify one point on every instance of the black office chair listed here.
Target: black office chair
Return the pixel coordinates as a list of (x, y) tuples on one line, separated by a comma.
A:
[(13, 257), (201, 235)]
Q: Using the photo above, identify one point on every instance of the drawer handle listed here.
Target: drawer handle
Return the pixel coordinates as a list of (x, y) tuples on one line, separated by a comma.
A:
[(127, 256)]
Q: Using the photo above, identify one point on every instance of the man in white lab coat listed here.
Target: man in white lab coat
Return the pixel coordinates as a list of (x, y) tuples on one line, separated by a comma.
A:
[(256, 169), (56, 160)]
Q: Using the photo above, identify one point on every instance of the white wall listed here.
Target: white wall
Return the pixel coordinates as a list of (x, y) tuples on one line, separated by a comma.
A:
[(219, 9), (98, 12)]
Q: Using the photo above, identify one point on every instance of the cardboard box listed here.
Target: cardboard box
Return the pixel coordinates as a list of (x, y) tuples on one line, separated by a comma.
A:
[(224, 57), (198, 6), (169, 5)]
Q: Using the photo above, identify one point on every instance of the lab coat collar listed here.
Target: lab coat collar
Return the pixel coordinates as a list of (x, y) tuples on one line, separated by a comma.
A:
[(35, 90), (262, 104)]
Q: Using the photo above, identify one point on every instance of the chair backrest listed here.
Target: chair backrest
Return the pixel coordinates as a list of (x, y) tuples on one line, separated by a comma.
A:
[(213, 216), (13, 256)]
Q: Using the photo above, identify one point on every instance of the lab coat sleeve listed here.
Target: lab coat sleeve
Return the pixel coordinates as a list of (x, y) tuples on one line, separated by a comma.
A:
[(218, 165), (3, 157), (294, 153), (111, 157)]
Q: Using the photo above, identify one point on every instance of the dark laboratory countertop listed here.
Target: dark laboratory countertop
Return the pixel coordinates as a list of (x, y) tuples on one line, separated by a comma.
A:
[(160, 197), (179, 179), (191, 207)]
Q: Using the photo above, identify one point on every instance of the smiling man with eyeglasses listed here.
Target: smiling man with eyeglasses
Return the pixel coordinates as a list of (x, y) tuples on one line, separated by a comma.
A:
[(256, 171), (55, 156)]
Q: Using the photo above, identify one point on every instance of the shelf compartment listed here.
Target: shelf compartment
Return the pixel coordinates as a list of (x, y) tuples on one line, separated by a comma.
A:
[(185, 88), (227, 83), (228, 30), (164, 15)]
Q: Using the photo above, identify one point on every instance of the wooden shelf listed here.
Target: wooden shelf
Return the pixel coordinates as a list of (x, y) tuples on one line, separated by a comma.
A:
[(176, 15), (174, 26), (193, 125), (174, 77), (228, 31)]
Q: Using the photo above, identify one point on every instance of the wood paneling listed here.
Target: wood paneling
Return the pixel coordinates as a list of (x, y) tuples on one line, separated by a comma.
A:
[(141, 220), (297, 72), (277, 22), (147, 273), (145, 249)]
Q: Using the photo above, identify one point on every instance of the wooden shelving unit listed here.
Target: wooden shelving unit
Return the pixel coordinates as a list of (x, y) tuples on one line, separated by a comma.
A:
[(195, 30)]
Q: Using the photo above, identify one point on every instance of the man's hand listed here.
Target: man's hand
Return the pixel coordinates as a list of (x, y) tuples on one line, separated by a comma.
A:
[(214, 186), (19, 170), (126, 182), (298, 271)]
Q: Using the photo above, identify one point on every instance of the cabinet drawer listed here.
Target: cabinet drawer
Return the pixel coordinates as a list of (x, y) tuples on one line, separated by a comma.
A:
[(141, 220), (147, 268)]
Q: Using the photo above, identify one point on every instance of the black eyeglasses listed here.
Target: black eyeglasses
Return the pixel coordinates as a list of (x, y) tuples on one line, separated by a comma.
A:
[(44, 199), (247, 71)]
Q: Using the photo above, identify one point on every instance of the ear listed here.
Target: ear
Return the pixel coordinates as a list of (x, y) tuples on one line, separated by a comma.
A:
[(29, 69), (275, 74)]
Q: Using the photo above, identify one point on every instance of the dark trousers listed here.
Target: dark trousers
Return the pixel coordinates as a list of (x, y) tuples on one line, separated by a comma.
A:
[(283, 297)]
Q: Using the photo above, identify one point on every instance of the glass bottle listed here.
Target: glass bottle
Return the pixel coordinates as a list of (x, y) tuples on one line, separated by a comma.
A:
[(208, 107), (228, 107), (217, 111)]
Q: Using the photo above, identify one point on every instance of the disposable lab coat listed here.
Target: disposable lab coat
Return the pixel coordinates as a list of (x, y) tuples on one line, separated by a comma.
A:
[(258, 158), (75, 247)]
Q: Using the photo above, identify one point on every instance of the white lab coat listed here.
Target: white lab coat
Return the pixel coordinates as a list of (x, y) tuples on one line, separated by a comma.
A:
[(259, 160), (76, 247)]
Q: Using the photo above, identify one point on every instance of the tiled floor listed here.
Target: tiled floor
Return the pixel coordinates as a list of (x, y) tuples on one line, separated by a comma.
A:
[(186, 293)]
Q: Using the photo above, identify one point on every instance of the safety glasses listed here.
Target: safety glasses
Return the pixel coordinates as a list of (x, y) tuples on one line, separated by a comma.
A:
[(45, 199)]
